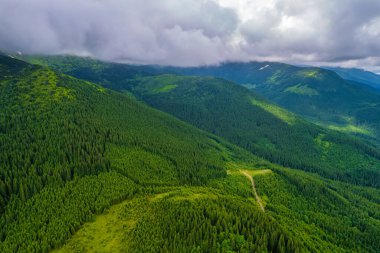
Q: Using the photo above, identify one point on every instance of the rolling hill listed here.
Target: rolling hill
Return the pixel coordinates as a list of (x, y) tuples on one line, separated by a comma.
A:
[(248, 121), (317, 94), (70, 149), (239, 116), (84, 168)]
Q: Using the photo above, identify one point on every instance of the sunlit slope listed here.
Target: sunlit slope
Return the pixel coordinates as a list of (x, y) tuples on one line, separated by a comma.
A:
[(146, 197), (62, 127), (240, 116), (318, 94), (184, 220), (70, 149), (303, 213)]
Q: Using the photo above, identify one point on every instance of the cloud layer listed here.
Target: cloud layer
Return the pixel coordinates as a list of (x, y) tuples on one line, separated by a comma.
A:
[(197, 32)]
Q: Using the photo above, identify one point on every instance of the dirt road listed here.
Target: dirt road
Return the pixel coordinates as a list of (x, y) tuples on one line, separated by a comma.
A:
[(254, 190)]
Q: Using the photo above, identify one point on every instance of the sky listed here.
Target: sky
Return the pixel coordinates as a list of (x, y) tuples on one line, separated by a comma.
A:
[(197, 32)]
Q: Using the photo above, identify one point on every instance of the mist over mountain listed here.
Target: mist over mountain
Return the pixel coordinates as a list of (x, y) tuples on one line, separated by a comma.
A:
[(195, 126), (197, 32)]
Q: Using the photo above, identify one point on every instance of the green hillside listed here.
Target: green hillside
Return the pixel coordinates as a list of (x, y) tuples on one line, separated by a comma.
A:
[(55, 126), (70, 149), (358, 75), (85, 169), (238, 115), (241, 117), (318, 94)]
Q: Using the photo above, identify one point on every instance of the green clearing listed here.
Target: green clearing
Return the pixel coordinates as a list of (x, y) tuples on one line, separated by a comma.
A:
[(273, 79), (278, 112), (310, 73), (70, 149), (158, 223), (91, 169), (309, 207), (106, 232), (166, 88), (353, 129), (167, 83), (302, 90), (253, 173)]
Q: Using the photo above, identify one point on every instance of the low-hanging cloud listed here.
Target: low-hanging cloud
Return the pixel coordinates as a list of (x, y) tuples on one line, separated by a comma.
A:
[(197, 32)]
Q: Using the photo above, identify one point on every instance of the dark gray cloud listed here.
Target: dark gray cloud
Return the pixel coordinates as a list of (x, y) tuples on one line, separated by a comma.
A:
[(185, 32), (194, 32)]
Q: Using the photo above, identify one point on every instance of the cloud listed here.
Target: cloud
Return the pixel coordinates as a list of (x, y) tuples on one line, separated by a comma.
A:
[(185, 32), (196, 32)]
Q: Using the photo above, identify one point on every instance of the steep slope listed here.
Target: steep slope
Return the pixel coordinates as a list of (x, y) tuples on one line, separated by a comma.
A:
[(322, 212), (238, 115), (215, 222), (320, 95), (241, 117), (70, 148), (148, 156), (323, 216), (317, 94), (59, 126)]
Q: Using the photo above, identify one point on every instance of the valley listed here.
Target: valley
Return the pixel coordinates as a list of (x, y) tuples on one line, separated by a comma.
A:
[(189, 126), (161, 163), (340, 101), (238, 115)]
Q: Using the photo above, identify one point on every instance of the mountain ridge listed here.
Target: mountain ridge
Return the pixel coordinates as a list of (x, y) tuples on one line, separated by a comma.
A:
[(162, 183), (256, 125)]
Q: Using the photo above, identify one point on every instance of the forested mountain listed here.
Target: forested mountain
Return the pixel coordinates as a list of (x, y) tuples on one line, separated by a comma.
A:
[(55, 127), (240, 116), (85, 169), (318, 94), (357, 75), (70, 149)]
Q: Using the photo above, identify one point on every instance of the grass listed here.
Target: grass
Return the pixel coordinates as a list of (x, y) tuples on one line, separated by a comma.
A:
[(253, 173), (45, 89), (110, 231), (349, 128), (275, 77), (280, 113), (310, 73), (166, 88), (106, 232), (302, 90), (167, 82)]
